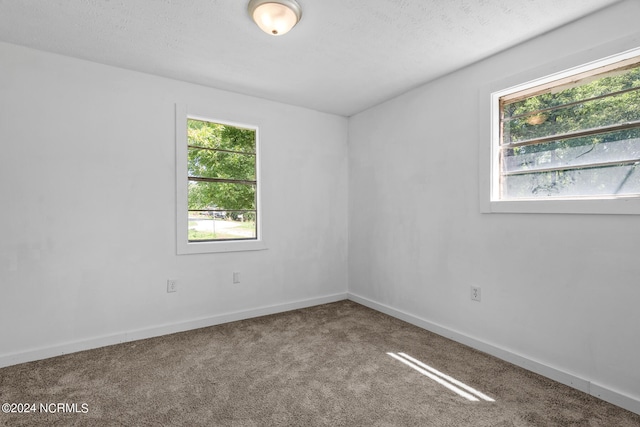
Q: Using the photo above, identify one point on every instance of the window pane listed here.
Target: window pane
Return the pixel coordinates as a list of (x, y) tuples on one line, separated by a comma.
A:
[(219, 136), (569, 110), (220, 211), (217, 225), (587, 115), (603, 181), (617, 146), (221, 195), (221, 164)]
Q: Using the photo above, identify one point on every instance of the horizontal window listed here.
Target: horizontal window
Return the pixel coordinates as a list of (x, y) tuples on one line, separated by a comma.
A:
[(572, 136)]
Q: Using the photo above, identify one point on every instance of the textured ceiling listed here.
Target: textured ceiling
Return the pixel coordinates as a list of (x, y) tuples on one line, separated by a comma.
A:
[(343, 57)]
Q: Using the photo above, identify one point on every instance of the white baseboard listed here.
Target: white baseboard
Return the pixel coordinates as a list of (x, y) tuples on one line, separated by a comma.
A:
[(571, 380), (618, 399), (155, 331)]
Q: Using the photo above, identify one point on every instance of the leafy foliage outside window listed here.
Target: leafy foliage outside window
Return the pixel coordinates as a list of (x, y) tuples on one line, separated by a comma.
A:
[(579, 138), (222, 181)]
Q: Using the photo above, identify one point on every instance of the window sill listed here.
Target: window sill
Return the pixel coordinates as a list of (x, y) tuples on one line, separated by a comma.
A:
[(188, 248), (613, 206)]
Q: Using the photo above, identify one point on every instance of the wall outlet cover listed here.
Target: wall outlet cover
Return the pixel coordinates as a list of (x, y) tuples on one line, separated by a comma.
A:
[(476, 293), (172, 286)]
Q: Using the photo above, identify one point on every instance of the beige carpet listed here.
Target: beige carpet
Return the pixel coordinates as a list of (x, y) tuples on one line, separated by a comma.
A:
[(327, 365)]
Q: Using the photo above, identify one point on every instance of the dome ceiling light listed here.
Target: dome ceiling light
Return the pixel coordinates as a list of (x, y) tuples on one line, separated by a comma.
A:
[(275, 17)]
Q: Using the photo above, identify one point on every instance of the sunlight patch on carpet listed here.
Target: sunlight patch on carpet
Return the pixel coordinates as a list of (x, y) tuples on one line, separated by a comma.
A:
[(447, 381)]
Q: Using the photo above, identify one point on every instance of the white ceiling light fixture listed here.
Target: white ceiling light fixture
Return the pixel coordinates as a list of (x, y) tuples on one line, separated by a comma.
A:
[(275, 17)]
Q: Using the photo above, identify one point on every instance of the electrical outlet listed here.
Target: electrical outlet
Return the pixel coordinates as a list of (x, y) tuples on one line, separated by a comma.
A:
[(476, 293), (172, 286), (236, 277)]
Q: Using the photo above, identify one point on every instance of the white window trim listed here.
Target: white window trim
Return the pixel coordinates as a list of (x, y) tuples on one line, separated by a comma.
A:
[(184, 247), (489, 136)]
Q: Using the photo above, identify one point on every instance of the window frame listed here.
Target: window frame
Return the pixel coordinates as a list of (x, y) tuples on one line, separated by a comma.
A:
[(489, 158), (183, 113)]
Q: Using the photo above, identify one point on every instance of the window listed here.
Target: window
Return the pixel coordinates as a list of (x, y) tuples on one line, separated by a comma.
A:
[(573, 137), (217, 180), (221, 170)]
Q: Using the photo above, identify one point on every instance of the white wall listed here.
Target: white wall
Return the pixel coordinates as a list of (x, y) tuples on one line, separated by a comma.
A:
[(560, 291), (87, 230)]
